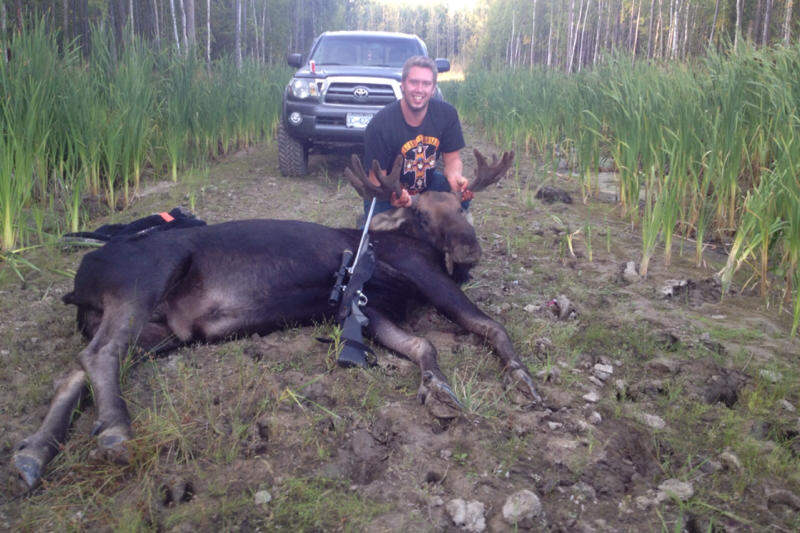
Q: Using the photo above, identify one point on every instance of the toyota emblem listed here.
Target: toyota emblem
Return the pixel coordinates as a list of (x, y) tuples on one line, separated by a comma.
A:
[(361, 92)]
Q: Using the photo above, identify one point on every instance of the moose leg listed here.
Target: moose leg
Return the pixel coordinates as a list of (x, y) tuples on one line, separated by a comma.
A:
[(35, 452), (455, 305), (100, 360), (434, 390), (515, 373)]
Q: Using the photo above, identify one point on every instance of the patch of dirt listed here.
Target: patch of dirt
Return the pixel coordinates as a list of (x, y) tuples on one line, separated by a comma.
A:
[(640, 389)]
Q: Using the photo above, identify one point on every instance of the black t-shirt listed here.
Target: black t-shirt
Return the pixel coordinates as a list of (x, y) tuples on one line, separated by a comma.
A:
[(388, 134)]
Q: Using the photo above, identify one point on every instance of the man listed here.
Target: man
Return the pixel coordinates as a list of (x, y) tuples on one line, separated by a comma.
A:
[(420, 128)]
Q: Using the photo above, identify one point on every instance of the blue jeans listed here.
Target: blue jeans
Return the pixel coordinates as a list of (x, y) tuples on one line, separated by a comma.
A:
[(437, 183)]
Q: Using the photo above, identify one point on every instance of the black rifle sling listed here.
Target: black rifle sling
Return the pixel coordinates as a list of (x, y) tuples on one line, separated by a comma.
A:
[(351, 319)]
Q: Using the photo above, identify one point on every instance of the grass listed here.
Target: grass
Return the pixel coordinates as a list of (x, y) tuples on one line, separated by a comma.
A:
[(199, 414), (73, 130), (711, 147), (319, 504)]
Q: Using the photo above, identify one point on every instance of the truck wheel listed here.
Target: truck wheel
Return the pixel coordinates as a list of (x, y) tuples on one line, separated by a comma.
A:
[(292, 154)]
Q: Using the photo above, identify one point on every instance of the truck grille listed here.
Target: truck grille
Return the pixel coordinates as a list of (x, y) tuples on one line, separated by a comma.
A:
[(380, 94)]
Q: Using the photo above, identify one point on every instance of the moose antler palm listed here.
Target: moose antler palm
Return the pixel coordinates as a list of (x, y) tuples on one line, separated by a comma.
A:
[(486, 174), (366, 189)]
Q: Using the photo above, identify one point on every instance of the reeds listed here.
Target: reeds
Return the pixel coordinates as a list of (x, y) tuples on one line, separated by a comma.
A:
[(708, 150), (73, 127)]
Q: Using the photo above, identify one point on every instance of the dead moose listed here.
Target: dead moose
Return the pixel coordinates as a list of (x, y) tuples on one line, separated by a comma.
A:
[(217, 282)]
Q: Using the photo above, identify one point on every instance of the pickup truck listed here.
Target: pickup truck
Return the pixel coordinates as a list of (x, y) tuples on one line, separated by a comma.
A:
[(345, 79)]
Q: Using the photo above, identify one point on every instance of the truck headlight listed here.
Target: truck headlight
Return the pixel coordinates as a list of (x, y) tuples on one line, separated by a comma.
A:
[(304, 88)]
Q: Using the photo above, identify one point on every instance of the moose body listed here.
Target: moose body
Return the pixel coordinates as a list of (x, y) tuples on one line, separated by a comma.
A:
[(159, 291)]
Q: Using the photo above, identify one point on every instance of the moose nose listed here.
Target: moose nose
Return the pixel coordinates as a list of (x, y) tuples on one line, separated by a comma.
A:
[(466, 253)]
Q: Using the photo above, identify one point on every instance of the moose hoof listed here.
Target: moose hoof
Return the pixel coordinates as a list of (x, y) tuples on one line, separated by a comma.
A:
[(27, 471), (112, 445), (519, 380), (438, 397)]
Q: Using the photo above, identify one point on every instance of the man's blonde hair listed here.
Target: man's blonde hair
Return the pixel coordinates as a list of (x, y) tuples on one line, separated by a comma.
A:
[(420, 61)]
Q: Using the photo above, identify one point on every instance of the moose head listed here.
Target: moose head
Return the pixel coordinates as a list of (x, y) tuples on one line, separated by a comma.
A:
[(436, 217)]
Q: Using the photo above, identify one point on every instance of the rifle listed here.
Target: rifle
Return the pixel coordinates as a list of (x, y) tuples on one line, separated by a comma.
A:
[(351, 319)]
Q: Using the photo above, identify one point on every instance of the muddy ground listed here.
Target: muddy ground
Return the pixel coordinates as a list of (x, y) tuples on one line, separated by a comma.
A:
[(641, 390)]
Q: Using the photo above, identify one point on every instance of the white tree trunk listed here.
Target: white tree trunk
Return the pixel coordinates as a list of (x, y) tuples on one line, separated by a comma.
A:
[(550, 38), (570, 31), (190, 23), (597, 36), (687, 9), (714, 24), (650, 36), (510, 47), (583, 34), (255, 29), (767, 21), (175, 26), (787, 23), (675, 26), (636, 34), (3, 35), (630, 26), (157, 30), (239, 34), (738, 25), (183, 26), (533, 32), (208, 32), (575, 38)]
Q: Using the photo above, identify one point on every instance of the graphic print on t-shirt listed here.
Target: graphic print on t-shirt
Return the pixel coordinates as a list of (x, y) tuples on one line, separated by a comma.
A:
[(419, 156)]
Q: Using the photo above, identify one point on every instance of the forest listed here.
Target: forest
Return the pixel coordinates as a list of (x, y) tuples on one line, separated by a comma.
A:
[(563, 34)]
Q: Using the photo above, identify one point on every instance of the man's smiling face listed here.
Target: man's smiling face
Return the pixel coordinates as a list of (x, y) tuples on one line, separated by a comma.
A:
[(418, 88)]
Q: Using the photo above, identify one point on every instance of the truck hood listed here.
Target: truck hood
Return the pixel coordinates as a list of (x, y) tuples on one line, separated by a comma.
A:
[(325, 71)]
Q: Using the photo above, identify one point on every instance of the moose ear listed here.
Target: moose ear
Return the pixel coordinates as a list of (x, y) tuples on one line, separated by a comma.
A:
[(392, 219)]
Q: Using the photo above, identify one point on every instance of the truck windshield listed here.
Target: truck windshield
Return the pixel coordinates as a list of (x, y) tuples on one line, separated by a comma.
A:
[(379, 52)]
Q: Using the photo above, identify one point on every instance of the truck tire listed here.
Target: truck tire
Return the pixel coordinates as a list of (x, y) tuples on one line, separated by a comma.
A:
[(292, 154)]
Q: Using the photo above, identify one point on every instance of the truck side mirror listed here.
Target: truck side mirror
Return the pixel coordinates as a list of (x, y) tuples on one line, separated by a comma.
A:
[(442, 65), (296, 60)]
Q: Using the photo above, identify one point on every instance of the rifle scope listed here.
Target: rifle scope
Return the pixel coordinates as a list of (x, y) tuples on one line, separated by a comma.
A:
[(336, 293)]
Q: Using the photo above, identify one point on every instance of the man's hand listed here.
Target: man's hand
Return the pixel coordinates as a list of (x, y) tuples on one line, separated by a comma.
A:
[(453, 169), (403, 201), (459, 183)]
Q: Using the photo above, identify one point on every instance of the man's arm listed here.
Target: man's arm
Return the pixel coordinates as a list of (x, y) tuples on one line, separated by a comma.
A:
[(453, 171)]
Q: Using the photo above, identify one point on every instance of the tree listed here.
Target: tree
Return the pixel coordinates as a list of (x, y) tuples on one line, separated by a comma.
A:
[(239, 34), (175, 26), (787, 24)]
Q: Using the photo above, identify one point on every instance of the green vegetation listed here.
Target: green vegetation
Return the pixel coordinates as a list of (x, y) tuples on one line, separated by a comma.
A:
[(703, 149), (75, 127)]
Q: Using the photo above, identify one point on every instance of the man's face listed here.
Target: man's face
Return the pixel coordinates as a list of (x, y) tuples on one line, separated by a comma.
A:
[(418, 88)]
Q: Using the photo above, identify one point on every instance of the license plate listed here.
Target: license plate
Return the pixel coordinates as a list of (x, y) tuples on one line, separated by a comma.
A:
[(358, 120)]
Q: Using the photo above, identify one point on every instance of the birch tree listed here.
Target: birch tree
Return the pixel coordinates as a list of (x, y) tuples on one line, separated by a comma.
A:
[(767, 20), (533, 32), (738, 29), (714, 24), (155, 19), (183, 26), (787, 24), (239, 34), (191, 32), (175, 26)]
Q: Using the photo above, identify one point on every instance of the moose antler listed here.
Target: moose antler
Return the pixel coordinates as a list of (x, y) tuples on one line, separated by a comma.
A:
[(486, 174), (368, 190)]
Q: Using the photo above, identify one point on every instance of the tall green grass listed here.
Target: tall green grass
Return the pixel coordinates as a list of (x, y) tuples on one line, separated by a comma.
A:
[(73, 128), (706, 150)]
